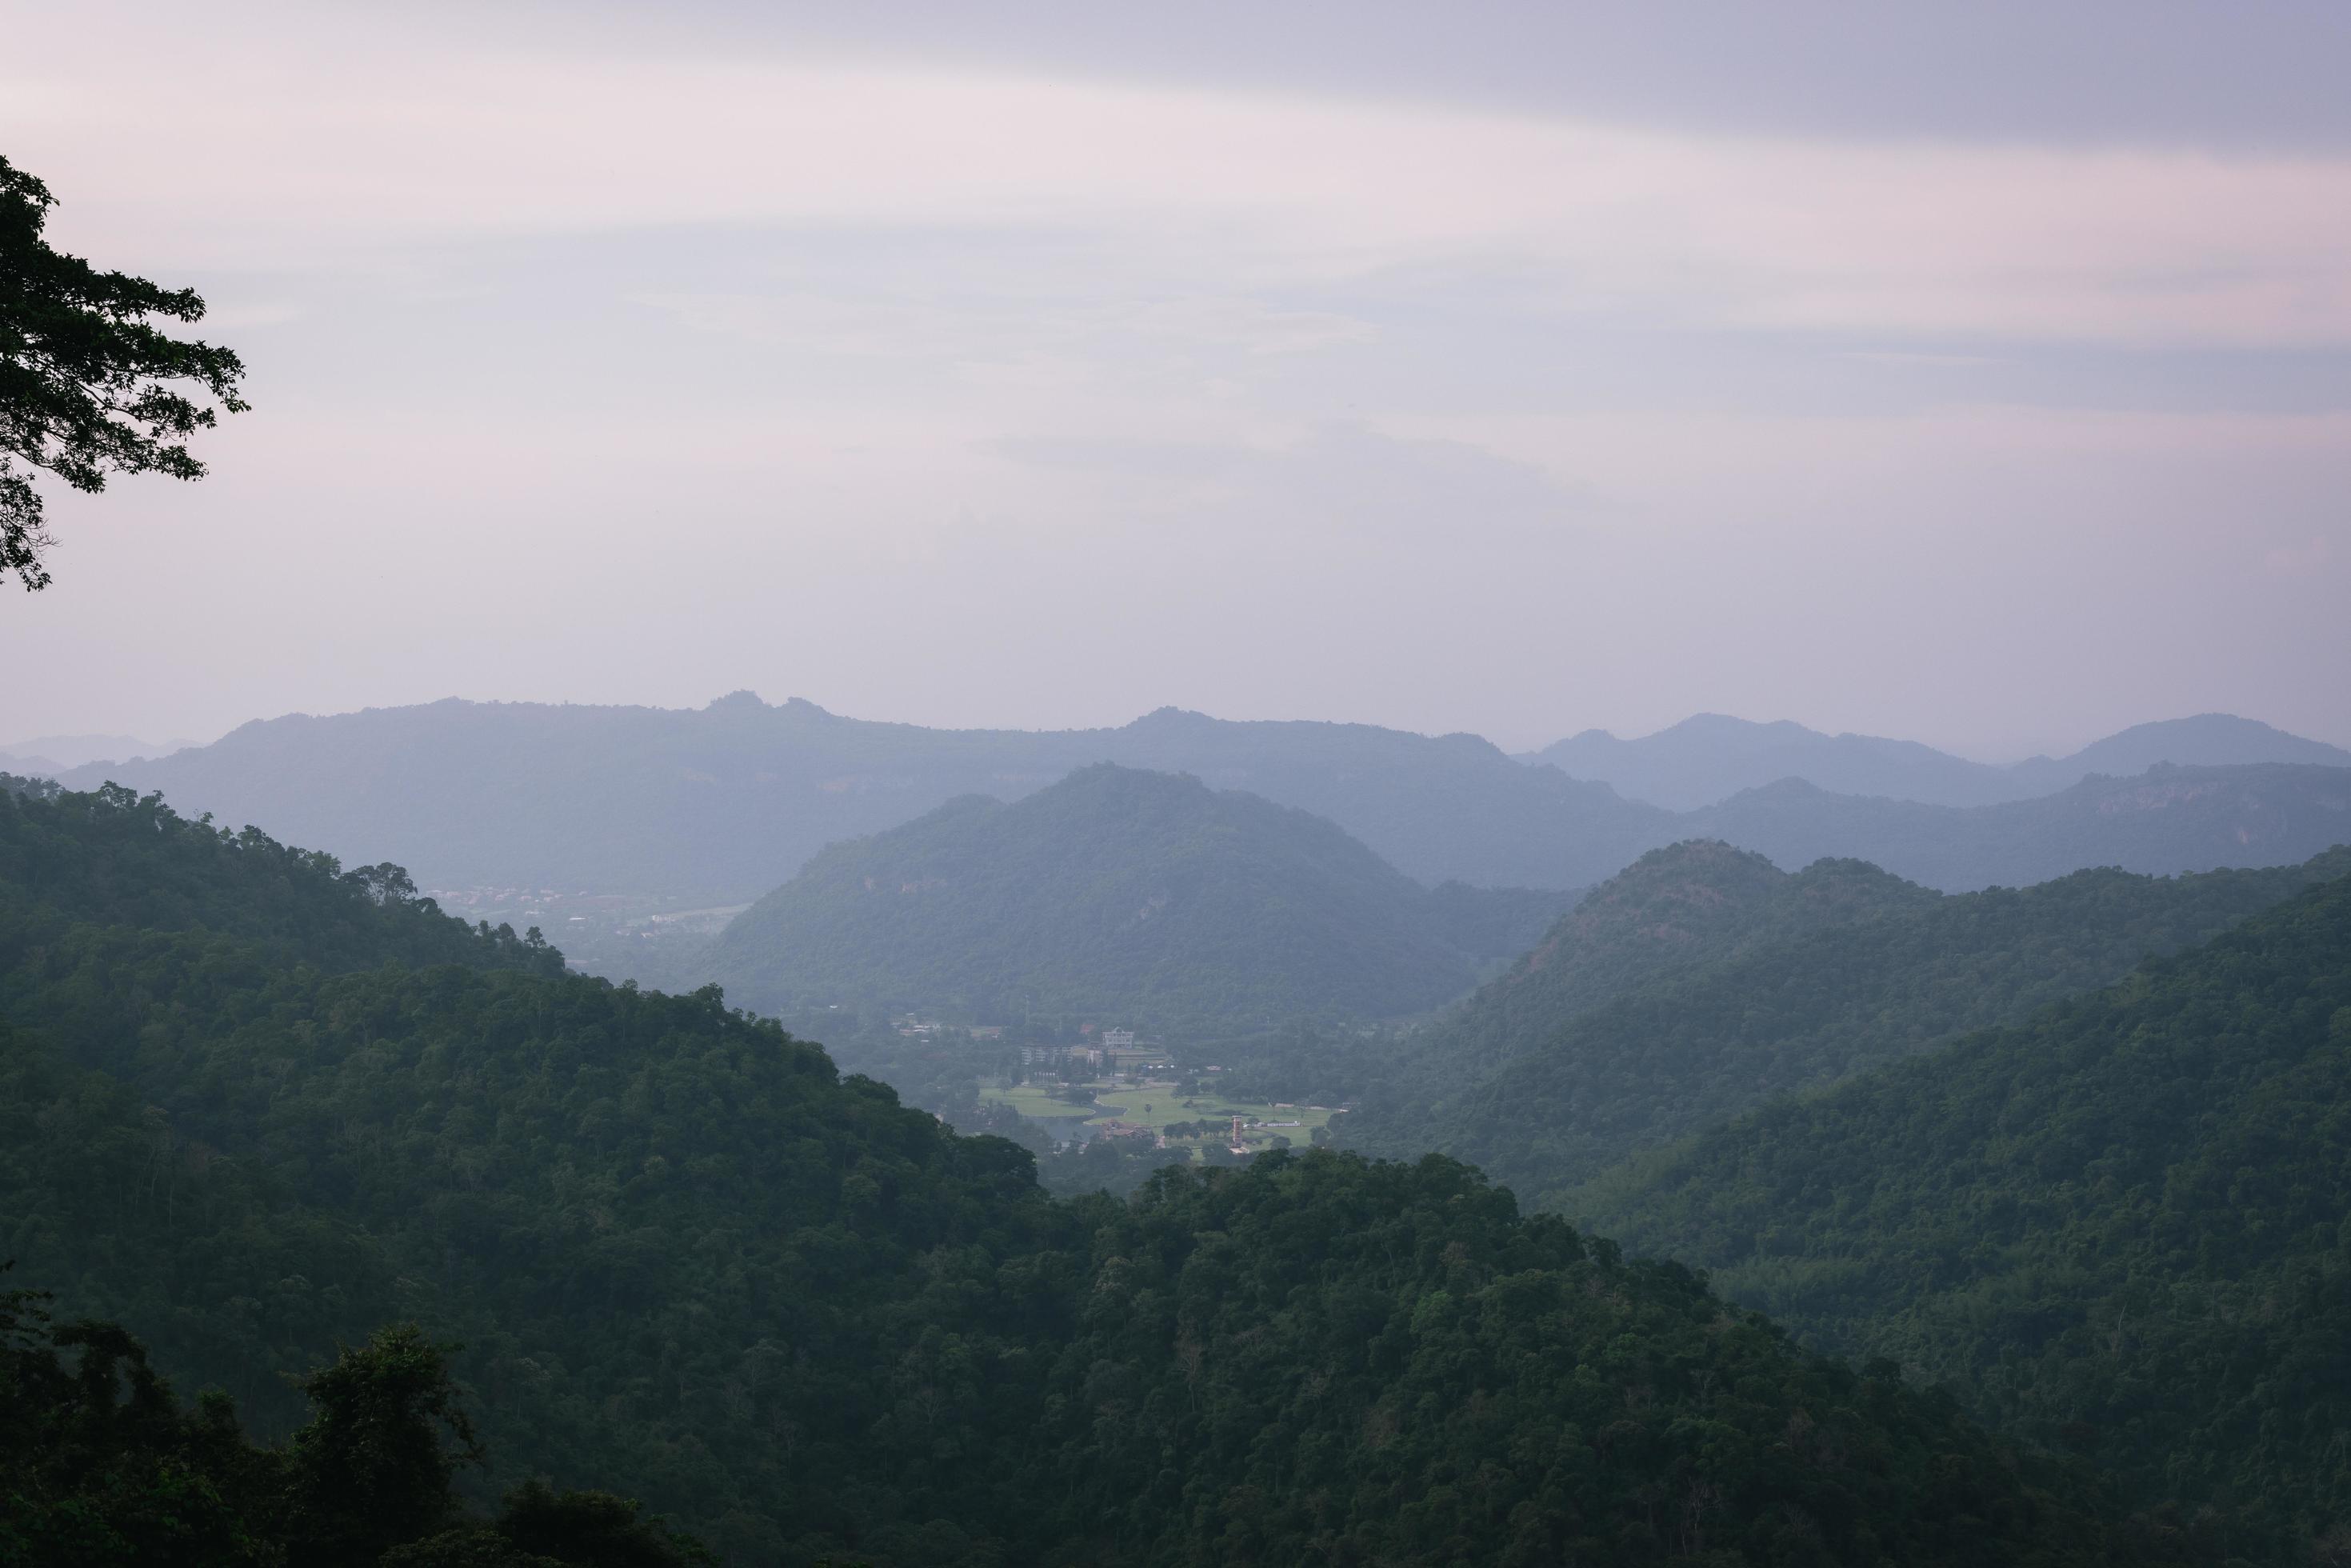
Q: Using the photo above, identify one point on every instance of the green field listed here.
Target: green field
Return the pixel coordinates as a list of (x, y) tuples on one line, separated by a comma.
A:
[(1155, 1104)]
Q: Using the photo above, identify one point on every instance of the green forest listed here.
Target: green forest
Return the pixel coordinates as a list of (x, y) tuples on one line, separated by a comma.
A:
[(2122, 1230), (1703, 983), (101, 1462), (691, 1266)]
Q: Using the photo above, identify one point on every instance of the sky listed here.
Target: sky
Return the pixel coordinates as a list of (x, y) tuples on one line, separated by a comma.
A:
[(1979, 375)]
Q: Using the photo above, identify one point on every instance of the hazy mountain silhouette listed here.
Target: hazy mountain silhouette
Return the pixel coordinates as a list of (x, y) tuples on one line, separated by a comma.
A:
[(727, 801), (48, 755), (1709, 758), (2162, 822), (2207, 740), (723, 803), (1122, 896)]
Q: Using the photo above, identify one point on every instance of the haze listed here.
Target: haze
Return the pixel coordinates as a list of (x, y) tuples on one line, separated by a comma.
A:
[(1984, 379)]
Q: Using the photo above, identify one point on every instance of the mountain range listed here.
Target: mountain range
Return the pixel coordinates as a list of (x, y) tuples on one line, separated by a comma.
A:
[(254, 1106), (723, 804), (51, 754), (1710, 758), (1124, 896), (2161, 823)]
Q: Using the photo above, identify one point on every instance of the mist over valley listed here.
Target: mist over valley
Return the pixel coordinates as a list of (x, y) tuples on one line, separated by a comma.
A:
[(1572, 785)]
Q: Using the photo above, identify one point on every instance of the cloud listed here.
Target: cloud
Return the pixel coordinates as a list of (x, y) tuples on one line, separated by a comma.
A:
[(977, 320), (985, 394), (1342, 483), (319, 146)]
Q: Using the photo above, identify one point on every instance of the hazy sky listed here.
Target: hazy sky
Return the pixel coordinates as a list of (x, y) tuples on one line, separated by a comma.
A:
[(1982, 377)]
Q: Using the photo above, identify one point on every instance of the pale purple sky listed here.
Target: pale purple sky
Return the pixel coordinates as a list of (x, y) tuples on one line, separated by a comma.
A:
[(1982, 377)]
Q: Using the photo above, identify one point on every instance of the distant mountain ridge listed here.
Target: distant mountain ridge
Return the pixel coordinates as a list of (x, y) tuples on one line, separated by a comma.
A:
[(1708, 758), (53, 754), (725, 802), (1120, 896), (721, 804), (2163, 822)]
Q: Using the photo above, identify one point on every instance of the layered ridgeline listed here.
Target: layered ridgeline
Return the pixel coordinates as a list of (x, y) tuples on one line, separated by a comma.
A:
[(715, 807), (2162, 822), (2122, 1228), (1704, 982), (1121, 897), (690, 1264), (723, 803), (1709, 758)]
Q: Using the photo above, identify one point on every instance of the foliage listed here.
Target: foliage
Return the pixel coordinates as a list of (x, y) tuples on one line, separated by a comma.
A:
[(371, 1469), (1119, 897), (1321, 1359), (691, 1262), (112, 858), (2119, 1229), (1783, 1009), (1687, 903), (89, 385), (99, 1464)]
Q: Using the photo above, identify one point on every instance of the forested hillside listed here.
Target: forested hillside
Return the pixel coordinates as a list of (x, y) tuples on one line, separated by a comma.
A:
[(691, 1264), (1119, 897), (2122, 1230), (112, 857), (101, 1463), (1819, 976), (1687, 903)]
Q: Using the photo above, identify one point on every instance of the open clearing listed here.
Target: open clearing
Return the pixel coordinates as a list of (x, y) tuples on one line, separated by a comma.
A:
[(1155, 1104)]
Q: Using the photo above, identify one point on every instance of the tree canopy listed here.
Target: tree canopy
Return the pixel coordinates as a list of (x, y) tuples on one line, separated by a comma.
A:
[(2117, 1228), (691, 1262), (1565, 1066), (89, 385), (99, 1464)]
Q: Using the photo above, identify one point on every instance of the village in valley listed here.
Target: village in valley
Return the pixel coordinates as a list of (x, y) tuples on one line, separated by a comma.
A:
[(1115, 1086)]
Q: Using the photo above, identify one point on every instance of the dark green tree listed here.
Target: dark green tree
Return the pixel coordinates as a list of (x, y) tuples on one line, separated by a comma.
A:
[(374, 1466), (89, 385), (99, 1464)]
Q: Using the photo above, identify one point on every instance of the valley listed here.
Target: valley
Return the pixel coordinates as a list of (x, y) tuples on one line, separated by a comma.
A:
[(217, 1047), (1171, 1112), (1572, 786)]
